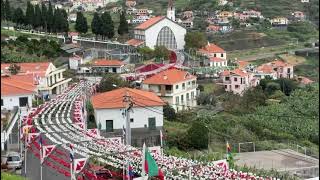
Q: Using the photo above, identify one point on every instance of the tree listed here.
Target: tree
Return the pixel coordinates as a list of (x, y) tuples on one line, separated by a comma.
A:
[(200, 24), (146, 52), (123, 26), (44, 13), (7, 11), (37, 17), (2, 10), (29, 14), (107, 25), (169, 113), (235, 23), (81, 23), (96, 24), (195, 40), (272, 87), (14, 69), (49, 18), (18, 17), (110, 82), (287, 85), (64, 21), (161, 52), (206, 99), (198, 135)]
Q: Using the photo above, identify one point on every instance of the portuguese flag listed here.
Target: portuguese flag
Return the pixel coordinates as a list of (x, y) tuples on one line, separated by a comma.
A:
[(149, 165)]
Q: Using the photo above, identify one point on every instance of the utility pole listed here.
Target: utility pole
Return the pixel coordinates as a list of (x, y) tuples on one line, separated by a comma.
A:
[(129, 104)]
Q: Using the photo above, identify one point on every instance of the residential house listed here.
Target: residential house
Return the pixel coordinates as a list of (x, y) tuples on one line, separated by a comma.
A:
[(176, 87), (187, 14), (17, 90), (298, 15), (304, 1), (49, 79), (225, 14), (237, 81), (264, 71), (222, 2), (282, 69), (131, 3), (146, 115), (188, 23), (116, 9), (107, 66), (135, 42), (304, 80), (213, 28), (73, 36), (216, 55), (279, 21), (253, 13), (75, 61)]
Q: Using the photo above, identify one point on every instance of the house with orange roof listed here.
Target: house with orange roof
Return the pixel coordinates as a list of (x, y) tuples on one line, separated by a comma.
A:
[(146, 117), (107, 66), (237, 81), (48, 78), (176, 87), (161, 31), (17, 90), (276, 69), (217, 56)]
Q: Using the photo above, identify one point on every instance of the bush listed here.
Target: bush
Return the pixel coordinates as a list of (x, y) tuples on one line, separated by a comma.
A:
[(272, 87), (206, 99), (169, 113), (198, 135)]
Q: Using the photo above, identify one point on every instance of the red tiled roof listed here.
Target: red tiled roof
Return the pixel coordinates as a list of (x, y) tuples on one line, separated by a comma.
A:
[(279, 63), (17, 85), (114, 99), (305, 80), (243, 64), (105, 62), (169, 77), (212, 48), (150, 22), (238, 72), (73, 33), (135, 42), (29, 68), (265, 68), (213, 28), (216, 59)]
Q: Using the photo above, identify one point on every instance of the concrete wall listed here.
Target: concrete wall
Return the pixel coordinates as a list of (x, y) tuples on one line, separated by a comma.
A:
[(10, 101), (140, 117)]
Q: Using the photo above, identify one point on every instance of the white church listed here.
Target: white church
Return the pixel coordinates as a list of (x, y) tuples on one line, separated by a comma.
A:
[(160, 30)]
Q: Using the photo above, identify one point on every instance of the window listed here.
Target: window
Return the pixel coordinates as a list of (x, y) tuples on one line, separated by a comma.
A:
[(166, 38), (214, 55), (59, 75), (183, 86), (187, 97), (51, 80), (1, 102), (131, 120), (23, 101), (177, 86), (114, 70), (221, 54), (228, 78), (152, 123), (236, 86), (225, 86), (181, 98), (177, 99), (288, 70), (235, 79), (109, 125)]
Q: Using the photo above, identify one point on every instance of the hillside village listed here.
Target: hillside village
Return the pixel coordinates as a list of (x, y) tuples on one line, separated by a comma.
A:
[(128, 91)]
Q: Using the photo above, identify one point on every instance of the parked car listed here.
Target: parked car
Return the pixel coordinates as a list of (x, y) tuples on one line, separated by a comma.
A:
[(14, 160)]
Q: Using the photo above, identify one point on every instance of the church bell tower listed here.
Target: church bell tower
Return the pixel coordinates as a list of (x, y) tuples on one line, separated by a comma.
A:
[(171, 11)]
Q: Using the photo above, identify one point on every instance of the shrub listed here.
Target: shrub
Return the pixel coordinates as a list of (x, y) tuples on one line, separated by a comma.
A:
[(198, 135), (169, 113)]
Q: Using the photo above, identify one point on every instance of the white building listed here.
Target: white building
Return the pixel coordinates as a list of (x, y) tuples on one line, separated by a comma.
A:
[(279, 21), (146, 117), (216, 55), (161, 30), (177, 87), (48, 78), (304, 1), (107, 66), (171, 11), (75, 61), (17, 90)]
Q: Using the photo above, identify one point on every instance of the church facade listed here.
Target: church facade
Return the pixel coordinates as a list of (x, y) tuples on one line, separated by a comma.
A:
[(160, 31)]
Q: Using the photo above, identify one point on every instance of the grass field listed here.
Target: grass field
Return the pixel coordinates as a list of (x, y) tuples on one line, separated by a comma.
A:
[(8, 176)]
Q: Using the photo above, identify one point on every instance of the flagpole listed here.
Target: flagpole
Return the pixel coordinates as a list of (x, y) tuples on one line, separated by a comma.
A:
[(71, 170), (41, 154), (25, 155)]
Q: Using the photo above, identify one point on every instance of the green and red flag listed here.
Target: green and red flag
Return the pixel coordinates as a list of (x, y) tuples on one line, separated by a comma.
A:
[(149, 165)]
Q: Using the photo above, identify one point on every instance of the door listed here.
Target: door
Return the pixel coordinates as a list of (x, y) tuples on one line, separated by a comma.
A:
[(109, 125), (152, 123), (23, 101)]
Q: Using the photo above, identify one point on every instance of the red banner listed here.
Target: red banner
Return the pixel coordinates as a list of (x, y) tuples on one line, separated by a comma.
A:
[(47, 150), (79, 164)]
